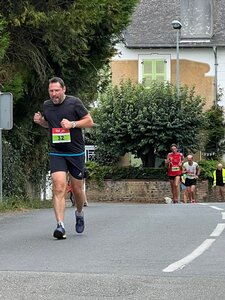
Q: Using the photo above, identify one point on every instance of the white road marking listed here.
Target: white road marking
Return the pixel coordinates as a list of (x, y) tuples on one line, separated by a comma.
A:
[(218, 230), (180, 264), (217, 208)]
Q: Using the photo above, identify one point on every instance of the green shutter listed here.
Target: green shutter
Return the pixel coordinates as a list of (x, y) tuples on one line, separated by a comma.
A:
[(153, 70)]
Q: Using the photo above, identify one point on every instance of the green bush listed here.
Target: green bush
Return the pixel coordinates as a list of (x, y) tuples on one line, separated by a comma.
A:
[(99, 173), (24, 164), (207, 168), (145, 122)]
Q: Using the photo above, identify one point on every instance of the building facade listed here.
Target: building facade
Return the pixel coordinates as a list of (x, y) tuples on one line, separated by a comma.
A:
[(149, 48)]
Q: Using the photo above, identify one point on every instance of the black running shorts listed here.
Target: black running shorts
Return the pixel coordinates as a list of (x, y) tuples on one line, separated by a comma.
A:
[(190, 182), (173, 177), (72, 164)]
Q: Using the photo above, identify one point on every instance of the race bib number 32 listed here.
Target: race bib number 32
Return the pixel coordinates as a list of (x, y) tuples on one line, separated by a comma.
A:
[(60, 135)]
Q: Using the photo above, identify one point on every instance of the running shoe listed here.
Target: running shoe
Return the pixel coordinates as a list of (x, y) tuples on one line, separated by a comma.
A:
[(79, 223), (60, 232), (193, 201)]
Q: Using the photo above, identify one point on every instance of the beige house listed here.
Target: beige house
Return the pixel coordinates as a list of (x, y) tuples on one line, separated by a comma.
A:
[(149, 48)]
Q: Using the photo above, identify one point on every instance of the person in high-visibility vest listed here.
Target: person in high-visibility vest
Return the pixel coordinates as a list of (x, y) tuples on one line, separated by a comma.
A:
[(219, 181)]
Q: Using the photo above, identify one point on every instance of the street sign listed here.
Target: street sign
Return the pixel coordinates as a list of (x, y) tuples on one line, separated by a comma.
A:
[(6, 111), (6, 123)]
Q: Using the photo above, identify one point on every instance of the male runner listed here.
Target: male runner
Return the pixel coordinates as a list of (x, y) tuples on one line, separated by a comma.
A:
[(192, 170), (64, 116), (174, 160)]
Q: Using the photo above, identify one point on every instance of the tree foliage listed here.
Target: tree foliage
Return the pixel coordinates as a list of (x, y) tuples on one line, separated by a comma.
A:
[(24, 161), (214, 133), (39, 39), (4, 37), (70, 39), (146, 122)]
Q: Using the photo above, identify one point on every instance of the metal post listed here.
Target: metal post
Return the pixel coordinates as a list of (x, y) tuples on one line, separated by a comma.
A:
[(6, 123), (0, 164), (178, 68), (216, 76), (177, 26), (0, 157)]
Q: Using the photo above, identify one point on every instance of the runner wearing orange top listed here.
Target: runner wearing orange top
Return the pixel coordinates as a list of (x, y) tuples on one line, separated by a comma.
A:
[(174, 160)]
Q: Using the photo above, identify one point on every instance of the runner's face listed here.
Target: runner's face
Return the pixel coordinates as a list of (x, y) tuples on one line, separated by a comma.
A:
[(56, 92), (174, 149), (190, 160)]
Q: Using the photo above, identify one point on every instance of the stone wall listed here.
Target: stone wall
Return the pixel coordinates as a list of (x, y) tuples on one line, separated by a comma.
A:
[(144, 191)]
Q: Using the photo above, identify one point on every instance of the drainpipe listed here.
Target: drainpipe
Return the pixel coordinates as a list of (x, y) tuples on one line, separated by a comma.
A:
[(215, 78)]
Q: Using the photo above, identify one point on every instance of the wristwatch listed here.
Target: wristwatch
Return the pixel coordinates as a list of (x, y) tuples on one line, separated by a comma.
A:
[(74, 124)]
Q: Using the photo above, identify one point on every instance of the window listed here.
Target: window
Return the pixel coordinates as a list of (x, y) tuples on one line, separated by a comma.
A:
[(196, 18), (153, 68)]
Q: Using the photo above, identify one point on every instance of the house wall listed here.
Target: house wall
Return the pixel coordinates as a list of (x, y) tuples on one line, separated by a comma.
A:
[(193, 74), (144, 191), (123, 69), (197, 68)]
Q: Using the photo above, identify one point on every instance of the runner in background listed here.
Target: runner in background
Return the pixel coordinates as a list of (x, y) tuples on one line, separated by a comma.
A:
[(174, 160), (184, 188), (70, 191), (219, 181), (192, 170)]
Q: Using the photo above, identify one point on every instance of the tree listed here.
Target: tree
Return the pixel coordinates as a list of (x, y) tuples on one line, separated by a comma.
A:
[(4, 37), (214, 133), (146, 122), (70, 39)]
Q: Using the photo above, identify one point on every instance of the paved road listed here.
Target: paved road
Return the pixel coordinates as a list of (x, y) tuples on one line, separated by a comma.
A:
[(128, 251)]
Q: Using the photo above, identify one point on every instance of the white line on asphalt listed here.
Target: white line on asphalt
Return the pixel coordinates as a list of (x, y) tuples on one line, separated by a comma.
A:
[(217, 208), (218, 230), (180, 264), (223, 215)]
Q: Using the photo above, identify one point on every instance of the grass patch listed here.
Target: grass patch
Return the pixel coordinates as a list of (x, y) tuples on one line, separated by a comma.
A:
[(14, 204)]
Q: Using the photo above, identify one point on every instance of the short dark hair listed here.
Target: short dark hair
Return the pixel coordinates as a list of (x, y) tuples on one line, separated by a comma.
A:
[(173, 145), (57, 79)]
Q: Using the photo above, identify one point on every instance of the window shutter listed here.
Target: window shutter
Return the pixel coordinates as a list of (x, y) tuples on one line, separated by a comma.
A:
[(153, 70)]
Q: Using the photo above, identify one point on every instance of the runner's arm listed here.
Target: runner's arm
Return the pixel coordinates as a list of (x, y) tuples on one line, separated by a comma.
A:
[(167, 160), (182, 158), (40, 120), (85, 122), (198, 170), (184, 170)]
